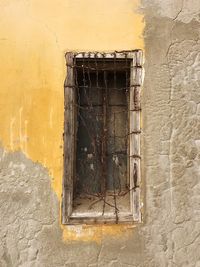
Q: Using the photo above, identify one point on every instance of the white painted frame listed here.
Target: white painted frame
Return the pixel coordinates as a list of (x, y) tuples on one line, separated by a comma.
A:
[(135, 215)]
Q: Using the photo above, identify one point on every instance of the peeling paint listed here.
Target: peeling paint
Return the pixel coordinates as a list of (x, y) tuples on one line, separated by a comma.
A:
[(33, 55), (33, 41)]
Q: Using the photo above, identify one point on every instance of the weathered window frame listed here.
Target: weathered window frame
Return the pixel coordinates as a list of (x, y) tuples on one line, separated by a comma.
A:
[(134, 215)]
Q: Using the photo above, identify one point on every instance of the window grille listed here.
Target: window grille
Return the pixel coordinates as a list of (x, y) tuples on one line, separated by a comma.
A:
[(102, 177)]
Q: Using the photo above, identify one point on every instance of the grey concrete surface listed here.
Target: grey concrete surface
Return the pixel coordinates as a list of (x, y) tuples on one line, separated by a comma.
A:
[(30, 235)]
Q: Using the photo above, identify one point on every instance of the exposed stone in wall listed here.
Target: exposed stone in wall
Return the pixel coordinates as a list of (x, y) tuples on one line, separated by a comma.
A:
[(30, 234)]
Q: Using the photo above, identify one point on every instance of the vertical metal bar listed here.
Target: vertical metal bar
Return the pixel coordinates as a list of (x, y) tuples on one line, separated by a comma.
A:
[(114, 184), (104, 133), (97, 74)]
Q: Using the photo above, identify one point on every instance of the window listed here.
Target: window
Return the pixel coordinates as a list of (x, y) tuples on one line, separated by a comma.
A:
[(102, 179)]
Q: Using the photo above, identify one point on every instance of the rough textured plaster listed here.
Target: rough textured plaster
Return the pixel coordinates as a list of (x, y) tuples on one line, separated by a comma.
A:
[(171, 131), (33, 42), (170, 234)]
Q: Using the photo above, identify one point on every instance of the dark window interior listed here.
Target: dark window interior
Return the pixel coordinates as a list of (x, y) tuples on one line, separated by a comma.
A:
[(102, 100)]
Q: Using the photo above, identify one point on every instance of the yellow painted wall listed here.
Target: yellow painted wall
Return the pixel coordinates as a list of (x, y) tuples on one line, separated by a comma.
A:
[(34, 36)]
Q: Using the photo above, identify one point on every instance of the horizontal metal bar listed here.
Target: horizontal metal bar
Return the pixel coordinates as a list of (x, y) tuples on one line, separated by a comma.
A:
[(135, 156), (120, 68), (100, 105)]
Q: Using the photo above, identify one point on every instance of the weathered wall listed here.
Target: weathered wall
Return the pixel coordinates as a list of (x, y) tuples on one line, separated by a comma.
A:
[(34, 37)]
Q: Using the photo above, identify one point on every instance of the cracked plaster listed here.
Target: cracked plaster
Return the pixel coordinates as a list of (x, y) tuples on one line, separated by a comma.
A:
[(30, 234)]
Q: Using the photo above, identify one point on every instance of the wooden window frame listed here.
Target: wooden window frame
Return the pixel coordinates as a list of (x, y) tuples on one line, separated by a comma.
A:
[(136, 76)]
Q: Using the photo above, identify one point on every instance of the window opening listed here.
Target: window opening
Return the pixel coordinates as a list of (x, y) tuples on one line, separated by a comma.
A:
[(102, 127)]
